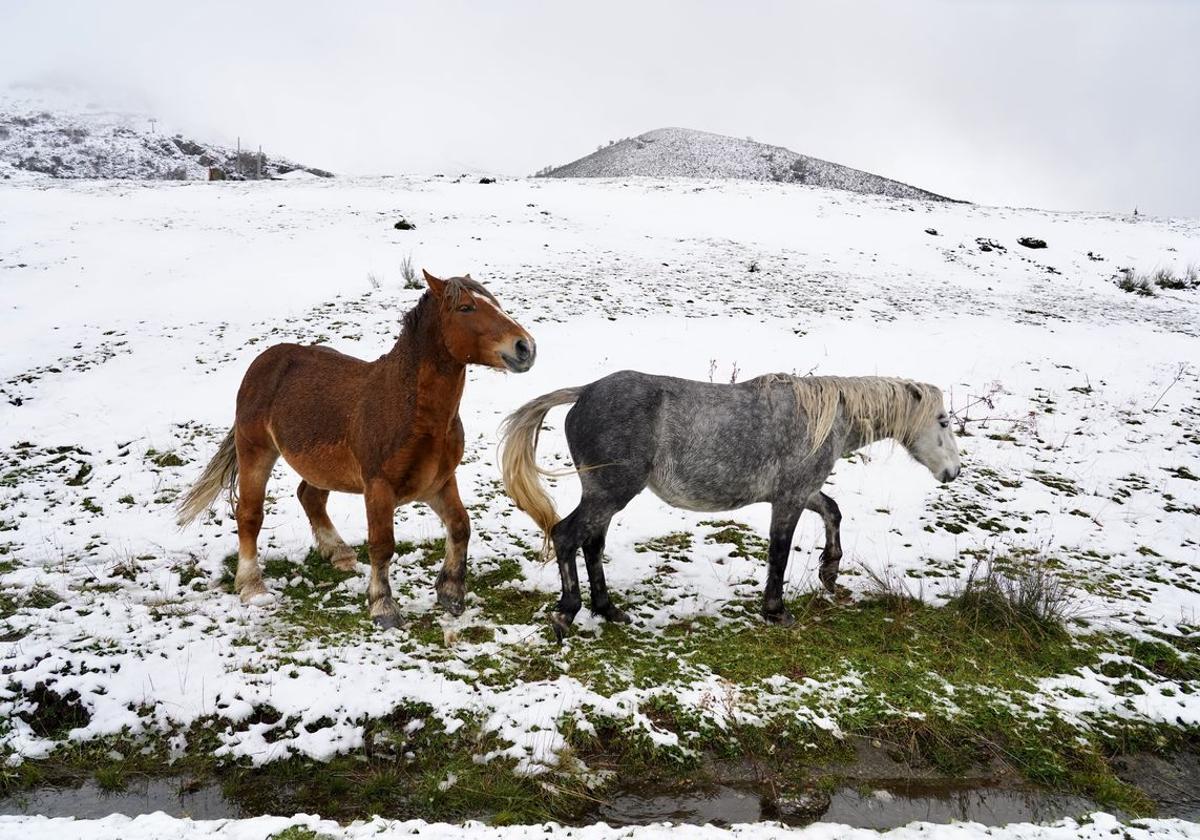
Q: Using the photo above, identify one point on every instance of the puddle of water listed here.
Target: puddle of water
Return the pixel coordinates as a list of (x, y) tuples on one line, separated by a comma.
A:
[(1172, 781), (886, 808), (896, 805), (721, 805), (141, 796), (724, 805)]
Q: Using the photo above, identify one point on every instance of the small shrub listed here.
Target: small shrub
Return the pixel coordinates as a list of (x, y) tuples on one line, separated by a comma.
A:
[(373, 280), (404, 224), (753, 267), (1164, 278), (1129, 280), (1024, 596), (409, 273)]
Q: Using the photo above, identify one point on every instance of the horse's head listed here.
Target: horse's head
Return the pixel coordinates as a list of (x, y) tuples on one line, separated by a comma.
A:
[(932, 443), (476, 330)]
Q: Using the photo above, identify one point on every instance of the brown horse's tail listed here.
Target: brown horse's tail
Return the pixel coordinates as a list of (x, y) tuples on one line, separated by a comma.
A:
[(220, 474), (518, 459)]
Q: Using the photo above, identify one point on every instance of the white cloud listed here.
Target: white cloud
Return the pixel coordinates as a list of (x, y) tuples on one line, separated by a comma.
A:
[(1064, 105)]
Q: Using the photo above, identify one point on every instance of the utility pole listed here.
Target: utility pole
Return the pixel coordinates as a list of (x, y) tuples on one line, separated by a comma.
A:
[(259, 164)]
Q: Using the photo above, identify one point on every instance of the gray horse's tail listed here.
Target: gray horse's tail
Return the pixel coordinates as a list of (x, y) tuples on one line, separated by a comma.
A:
[(518, 459), (220, 474)]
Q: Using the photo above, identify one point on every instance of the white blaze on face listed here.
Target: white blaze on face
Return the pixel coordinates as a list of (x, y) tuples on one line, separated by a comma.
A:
[(486, 301)]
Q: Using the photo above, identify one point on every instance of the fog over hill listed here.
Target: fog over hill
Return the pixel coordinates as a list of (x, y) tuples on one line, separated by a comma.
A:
[(75, 140), (684, 152)]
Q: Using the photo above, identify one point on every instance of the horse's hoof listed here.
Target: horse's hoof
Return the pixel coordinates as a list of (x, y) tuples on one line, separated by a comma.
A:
[(783, 618), (344, 559), (386, 621), (828, 576), (255, 592), (561, 625), (451, 604), (611, 612)]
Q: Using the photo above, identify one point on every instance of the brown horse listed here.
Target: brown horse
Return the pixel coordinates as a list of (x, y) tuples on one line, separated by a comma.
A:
[(388, 429)]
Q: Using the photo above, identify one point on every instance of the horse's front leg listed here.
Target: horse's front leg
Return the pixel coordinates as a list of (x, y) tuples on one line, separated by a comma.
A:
[(784, 517), (381, 545), (831, 554), (451, 580)]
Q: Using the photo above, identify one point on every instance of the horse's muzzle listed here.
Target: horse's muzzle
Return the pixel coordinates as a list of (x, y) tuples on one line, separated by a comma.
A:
[(524, 352), (949, 474)]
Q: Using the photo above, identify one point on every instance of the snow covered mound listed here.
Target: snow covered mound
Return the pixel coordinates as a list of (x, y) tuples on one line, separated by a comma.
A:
[(683, 152), (93, 143)]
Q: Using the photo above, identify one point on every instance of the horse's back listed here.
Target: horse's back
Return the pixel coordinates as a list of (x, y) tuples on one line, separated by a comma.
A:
[(704, 446), (301, 397)]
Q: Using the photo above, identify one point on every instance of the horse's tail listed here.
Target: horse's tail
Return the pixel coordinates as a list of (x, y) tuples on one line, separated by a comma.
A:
[(518, 459), (220, 474)]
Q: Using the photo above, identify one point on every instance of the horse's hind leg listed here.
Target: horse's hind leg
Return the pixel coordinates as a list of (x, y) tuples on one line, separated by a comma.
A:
[(566, 538), (784, 517), (329, 542), (605, 492), (831, 554), (254, 469), (451, 580), (593, 555)]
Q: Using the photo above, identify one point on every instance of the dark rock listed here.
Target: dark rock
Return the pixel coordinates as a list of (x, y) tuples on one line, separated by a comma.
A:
[(487, 180), (404, 224), (188, 147), (798, 806), (1031, 242), (931, 231), (986, 244)]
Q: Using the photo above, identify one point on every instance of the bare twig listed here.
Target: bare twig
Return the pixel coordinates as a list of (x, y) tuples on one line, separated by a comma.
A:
[(1178, 375)]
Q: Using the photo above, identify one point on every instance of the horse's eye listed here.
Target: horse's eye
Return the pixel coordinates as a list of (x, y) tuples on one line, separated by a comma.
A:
[(466, 307), (945, 422)]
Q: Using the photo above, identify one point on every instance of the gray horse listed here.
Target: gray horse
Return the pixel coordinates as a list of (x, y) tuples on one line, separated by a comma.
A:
[(707, 447)]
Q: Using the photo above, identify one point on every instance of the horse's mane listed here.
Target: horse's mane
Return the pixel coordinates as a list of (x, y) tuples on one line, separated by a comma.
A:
[(877, 407)]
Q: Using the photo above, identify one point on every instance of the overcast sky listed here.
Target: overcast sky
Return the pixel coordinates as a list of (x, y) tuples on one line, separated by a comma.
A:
[(1071, 105)]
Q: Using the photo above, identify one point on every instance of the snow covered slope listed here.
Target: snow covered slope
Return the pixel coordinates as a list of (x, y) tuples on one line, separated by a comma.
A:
[(90, 142), (683, 152), (158, 826), (132, 310)]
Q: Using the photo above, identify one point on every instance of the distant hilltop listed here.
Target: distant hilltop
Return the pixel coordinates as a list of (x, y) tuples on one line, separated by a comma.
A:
[(686, 153), (94, 143)]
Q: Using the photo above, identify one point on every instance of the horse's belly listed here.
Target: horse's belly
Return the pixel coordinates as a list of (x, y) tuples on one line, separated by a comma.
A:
[(705, 494), (327, 467)]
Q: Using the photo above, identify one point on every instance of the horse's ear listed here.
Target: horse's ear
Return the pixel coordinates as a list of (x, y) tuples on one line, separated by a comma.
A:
[(914, 391), (436, 285)]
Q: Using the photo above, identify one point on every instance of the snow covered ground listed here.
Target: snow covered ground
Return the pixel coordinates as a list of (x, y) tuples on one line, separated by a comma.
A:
[(156, 826), (130, 311)]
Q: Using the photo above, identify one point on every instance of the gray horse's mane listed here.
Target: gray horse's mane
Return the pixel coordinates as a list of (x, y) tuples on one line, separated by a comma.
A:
[(877, 407)]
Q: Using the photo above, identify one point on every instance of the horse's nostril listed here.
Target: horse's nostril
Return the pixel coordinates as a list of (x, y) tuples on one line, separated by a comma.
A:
[(523, 349)]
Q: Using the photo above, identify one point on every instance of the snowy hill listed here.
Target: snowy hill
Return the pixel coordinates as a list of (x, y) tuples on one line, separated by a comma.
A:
[(683, 152), (88, 142)]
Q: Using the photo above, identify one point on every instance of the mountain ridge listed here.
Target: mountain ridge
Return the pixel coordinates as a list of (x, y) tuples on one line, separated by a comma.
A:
[(38, 139)]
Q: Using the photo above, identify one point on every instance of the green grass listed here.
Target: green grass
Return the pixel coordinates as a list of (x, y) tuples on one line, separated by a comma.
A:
[(946, 688)]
